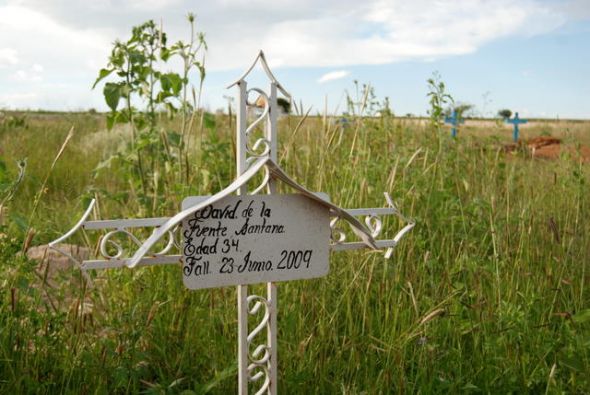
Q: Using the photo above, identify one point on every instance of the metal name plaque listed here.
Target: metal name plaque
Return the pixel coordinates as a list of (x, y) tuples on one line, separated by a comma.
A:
[(255, 239)]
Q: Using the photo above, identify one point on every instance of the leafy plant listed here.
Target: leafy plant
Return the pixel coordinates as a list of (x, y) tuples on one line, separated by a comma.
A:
[(364, 102), (13, 122), (7, 186), (140, 95), (439, 98)]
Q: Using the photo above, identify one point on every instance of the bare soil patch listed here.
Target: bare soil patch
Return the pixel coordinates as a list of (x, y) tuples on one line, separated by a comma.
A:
[(551, 148)]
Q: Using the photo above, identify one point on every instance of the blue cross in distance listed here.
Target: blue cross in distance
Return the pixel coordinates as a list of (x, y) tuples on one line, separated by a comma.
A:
[(516, 121), (454, 120)]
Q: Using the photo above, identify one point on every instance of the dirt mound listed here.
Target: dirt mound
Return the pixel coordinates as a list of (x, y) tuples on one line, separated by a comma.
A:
[(511, 147), (542, 141), (60, 286), (547, 147), (554, 151), (551, 151), (53, 262)]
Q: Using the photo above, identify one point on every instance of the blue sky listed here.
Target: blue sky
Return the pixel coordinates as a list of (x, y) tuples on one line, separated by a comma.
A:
[(531, 56)]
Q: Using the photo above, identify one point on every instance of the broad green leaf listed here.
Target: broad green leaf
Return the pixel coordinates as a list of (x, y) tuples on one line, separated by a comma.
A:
[(176, 82), (164, 54), (103, 73), (171, 82), (112, 94), (111, 119), (165, 82), (136, 57)]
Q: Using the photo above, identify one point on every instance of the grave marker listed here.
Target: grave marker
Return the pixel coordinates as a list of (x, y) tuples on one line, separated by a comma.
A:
[(248, 238), (515, 122), (455, 120), (254, 239)]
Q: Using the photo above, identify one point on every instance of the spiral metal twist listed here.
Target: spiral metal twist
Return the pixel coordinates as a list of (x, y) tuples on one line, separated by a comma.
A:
[(265, 181), (337, 235), (260, 356), (261, 146), (108, 242), (374, 224)]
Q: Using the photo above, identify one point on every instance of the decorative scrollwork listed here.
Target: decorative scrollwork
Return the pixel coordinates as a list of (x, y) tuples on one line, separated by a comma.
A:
[(107, 243), (373, 218), (172, 242), (265, 180), (260, 356), (374, 224), (261, 373), (337, 235), (261, 146)]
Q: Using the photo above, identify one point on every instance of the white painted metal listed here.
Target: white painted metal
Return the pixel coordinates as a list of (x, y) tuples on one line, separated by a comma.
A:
[(276, 173), (243, 373), (253, 239), (257, 359), (271, 334), (125, 223), (242, 290), (266, 69), (95, 264), (78, 225), (271, 288)]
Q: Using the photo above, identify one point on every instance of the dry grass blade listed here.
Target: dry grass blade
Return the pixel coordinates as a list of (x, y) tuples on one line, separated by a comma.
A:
[(432, 315), (42, 189), (292, 137)]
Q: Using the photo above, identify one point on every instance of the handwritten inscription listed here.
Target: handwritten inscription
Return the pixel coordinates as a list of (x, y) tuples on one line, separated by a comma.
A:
[(254, 239)]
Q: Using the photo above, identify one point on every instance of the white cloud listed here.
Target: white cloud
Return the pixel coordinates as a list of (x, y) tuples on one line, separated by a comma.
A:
[(379, 32), (577, 9), (41, 39), (72, 39), (311, 33), (8, 57), (49, 52), (32, 75), (17, 100), (333, 75)]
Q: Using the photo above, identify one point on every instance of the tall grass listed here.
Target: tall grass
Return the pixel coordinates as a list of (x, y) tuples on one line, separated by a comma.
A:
[(489, 293)]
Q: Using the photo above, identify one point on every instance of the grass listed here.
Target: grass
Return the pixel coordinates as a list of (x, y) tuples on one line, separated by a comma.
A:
[(489, 292)]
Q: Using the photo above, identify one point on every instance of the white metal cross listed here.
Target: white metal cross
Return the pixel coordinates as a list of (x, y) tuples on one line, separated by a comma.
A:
[(257, 355)]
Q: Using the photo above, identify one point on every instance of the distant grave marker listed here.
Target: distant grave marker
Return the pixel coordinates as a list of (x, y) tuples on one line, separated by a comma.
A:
[(515, 122), (455, 120), (248, 238)]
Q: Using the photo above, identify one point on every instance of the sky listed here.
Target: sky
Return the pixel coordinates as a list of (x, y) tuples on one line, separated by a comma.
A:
[(531, 56)]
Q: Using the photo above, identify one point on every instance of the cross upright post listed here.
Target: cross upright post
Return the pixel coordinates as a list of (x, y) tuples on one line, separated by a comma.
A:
[(250, 367), (455, 120), (515, 122)]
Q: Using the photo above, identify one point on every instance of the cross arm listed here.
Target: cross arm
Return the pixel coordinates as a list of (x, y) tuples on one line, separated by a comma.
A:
[(372, 218)]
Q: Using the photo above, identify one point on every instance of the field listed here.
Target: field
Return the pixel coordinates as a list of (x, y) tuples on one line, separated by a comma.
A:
[(488, 294)]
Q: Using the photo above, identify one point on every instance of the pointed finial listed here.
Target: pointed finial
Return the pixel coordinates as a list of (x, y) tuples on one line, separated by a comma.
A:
[(260, 57)]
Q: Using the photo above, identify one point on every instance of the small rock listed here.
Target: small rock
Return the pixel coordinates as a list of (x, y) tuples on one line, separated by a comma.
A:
[(53, 261)]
